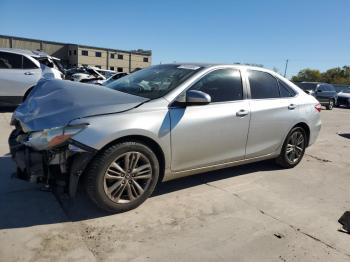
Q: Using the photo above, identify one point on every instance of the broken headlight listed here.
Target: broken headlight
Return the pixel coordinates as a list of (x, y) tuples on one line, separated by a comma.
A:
[(49, 138)]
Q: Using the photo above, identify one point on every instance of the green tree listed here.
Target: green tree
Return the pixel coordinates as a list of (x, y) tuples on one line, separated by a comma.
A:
[(308, 75), (337, 75)]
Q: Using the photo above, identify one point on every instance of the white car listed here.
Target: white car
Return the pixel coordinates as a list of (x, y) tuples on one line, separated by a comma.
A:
[(20, 70), (92, 75)]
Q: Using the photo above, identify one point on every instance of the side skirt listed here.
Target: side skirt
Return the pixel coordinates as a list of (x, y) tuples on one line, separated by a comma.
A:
[(174, 175)]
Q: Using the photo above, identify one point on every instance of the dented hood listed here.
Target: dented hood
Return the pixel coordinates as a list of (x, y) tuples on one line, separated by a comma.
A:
[(54, 103)]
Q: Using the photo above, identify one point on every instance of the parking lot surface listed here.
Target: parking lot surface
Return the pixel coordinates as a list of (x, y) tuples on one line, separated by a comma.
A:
[(257, 212)]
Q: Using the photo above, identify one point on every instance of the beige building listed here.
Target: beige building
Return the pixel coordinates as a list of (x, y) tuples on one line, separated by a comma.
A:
[(79, 55)]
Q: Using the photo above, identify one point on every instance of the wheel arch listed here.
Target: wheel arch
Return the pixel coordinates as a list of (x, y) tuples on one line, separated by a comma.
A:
[(154, 146), (304, 126)]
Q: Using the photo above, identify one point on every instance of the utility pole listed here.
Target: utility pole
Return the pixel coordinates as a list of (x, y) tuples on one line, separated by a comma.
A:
[(285, 69)]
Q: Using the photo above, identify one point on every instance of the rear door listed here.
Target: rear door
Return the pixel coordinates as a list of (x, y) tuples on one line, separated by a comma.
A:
[(17, 75), (323, 93), (212, 134), (273, 109)]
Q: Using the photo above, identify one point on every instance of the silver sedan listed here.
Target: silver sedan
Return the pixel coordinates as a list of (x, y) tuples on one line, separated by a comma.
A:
[(158, 124)]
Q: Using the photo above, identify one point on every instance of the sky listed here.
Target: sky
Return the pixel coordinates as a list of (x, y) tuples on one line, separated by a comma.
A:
[(310, 33)]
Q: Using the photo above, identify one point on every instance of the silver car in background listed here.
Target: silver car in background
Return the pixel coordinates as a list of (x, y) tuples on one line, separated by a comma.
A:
[(21, 69), (158, 124)]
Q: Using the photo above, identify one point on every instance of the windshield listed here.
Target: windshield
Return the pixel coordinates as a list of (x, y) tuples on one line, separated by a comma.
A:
[(155, 81), (346, 91)]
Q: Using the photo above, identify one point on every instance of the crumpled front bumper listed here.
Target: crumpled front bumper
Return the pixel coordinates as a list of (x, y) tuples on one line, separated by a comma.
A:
[(66, 163)]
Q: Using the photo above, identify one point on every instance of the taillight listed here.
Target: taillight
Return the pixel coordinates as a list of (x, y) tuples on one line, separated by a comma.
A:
[(318, 107)]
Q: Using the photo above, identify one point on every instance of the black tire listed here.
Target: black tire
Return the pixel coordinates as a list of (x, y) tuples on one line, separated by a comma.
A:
[(284, 158), (96, 181), (330, 104)]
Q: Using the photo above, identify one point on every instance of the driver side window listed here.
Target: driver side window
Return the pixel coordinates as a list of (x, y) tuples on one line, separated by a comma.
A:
[(222, 85)]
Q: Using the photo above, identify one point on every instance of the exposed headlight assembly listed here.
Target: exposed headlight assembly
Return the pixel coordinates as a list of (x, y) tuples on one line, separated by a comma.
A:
[(49, 138)]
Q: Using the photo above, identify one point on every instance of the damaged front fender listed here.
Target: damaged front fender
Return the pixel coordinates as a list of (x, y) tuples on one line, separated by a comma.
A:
[(65, 164)]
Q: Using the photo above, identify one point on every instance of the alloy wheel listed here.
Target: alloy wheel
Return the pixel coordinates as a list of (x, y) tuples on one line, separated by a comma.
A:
[(295, 147), (331, 104), (127, 177)]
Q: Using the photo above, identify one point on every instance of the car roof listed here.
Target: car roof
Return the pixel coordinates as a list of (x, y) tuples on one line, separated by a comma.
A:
[(25, 52), (209, 65)]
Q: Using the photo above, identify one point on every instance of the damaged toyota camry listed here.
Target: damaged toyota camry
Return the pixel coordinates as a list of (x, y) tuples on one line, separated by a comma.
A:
[(158, 124)]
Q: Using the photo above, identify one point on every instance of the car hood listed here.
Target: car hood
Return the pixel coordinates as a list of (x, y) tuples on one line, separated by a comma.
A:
[(347, 95), (54, 103)]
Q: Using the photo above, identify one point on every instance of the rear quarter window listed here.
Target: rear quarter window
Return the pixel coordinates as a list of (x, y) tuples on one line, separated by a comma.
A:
[(28, 64), (285, 90)]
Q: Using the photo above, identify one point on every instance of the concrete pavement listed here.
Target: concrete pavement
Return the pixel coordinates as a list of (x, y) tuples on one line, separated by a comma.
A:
[(257, 212)]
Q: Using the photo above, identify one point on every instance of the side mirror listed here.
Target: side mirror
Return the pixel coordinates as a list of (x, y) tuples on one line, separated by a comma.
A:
[(195, 97)]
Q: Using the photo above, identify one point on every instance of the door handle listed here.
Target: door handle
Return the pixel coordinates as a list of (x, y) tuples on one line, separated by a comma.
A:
[(292, 106), (29, 73), (242, 113)]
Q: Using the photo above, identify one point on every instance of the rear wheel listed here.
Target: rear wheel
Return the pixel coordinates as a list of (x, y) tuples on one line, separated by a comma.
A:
[(293, 148), (122, 177), (330, 104)]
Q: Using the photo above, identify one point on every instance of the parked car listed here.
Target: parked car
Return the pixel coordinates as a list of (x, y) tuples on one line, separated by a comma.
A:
[(158, 124), (20, 70), (344, 97), (113, 78), (324, 93), (91, 75), (87, 74), (339, 88)]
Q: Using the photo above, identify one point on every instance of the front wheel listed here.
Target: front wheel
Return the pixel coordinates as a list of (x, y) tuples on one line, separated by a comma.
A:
[(122, 177), (330, 104), (293, 148)]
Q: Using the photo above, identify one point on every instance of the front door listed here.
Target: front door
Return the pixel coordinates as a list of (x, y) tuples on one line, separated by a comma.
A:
[(216, 133)]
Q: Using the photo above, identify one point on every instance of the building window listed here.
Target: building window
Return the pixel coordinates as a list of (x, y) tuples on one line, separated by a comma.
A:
[(145, 59), (98, 66), (84, 52), (112, 56), (111, 68), (120, 57), (70, 52), (75, 52), (120, 69), (98, 54)]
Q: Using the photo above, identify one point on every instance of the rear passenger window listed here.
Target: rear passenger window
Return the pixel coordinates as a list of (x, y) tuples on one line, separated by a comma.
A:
[(10, 61), (222, 85), (27, 64), (262, 85), (285, 90)]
